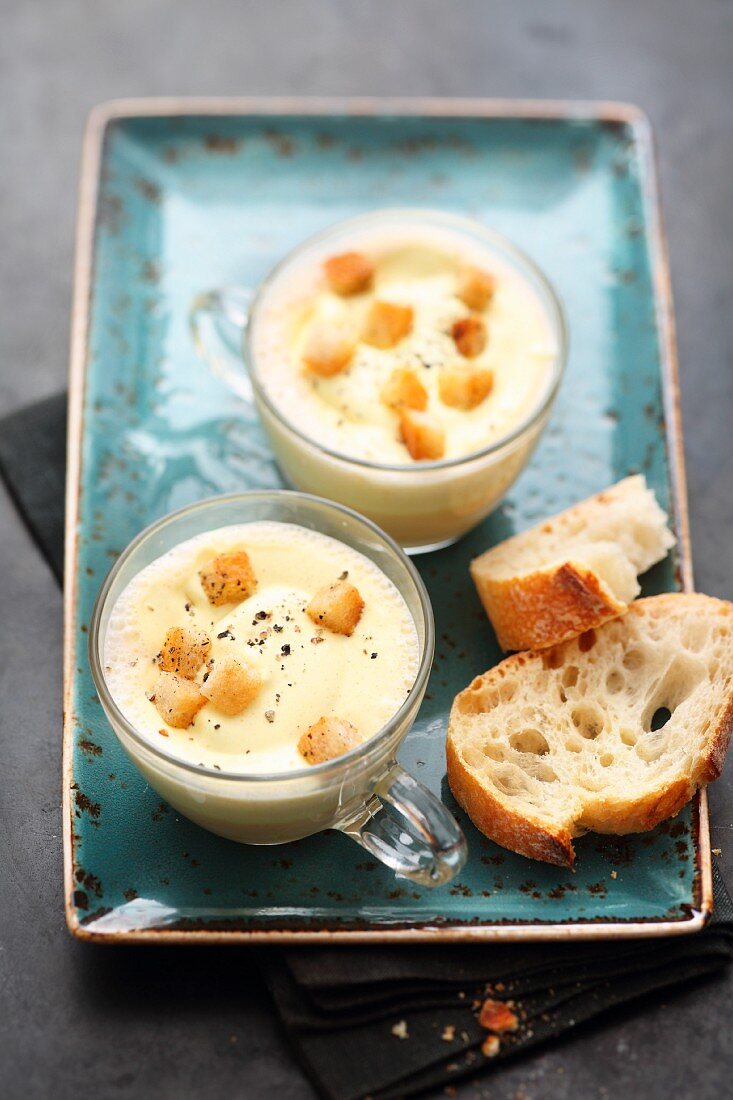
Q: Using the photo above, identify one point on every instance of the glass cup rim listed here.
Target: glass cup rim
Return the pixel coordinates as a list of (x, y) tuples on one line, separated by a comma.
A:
[(329, 767), (430, 215)]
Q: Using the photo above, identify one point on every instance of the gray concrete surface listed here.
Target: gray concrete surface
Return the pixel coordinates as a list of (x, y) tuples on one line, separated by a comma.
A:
[(152, 1022)]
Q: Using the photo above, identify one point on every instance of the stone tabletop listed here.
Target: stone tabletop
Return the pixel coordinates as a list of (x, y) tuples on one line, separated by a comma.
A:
[(140, 1022)]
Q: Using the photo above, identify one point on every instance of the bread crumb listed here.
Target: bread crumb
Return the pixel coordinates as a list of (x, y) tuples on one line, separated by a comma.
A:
[(717, 851), (490, 1046), (614, 874), (497, 1016), (400, 1030), (448, 1033)]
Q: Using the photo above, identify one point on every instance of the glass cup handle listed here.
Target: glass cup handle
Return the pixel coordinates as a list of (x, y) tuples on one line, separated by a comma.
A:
[(405, 826), (218, 320)]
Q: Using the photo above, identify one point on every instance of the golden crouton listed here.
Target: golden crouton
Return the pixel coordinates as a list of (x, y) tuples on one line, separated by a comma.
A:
[(387, 324), (350, 273), (328, 348), (476, 288), (184, 651), (326, 739), (229, 578), (403, 389), (422, 434), (469, 335), (176, 700), (464, 387), (230, 686), (337, 606)]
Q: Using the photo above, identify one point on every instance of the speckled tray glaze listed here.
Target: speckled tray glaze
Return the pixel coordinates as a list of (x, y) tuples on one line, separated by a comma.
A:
[(178, 196)]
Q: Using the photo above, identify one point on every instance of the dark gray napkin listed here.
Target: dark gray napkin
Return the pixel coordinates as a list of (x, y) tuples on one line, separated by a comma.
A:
[(388, 1022), (33, 466)]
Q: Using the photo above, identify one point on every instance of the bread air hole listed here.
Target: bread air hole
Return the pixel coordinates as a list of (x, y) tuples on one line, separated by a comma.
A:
[(570, 676), (553, 658), (530, 740), (678, 683), (652, 746), (606, 760), (615, 681), (633, 659), (588, 721), (694, 635), (629, 737), (511, 782), (660, 717)]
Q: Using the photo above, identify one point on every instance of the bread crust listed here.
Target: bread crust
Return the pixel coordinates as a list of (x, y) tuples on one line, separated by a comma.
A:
[(713, 763), (522, 833), (546, 607)]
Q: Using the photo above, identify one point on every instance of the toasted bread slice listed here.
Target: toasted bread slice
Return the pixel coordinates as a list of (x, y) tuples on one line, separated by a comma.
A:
[(612, 732), (576, 570)]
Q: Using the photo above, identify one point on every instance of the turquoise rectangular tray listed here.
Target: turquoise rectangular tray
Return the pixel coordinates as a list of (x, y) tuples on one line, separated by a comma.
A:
[(178, 196)]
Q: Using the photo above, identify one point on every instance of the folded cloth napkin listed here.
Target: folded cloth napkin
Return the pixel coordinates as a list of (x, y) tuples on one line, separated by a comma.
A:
[(386, 1022)]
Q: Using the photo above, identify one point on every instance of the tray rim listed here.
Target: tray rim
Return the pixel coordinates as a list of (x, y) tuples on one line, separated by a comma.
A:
[(91, 162)]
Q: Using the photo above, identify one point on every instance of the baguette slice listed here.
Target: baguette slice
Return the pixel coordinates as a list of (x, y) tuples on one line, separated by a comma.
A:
[(549, 745), (576, 570)]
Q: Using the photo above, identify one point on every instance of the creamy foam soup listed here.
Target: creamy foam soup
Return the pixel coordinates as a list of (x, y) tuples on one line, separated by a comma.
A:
[(418, 267), (308, 672)]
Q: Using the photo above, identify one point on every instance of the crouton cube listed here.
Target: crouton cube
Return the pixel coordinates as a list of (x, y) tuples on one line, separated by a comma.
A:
[(464, 387), (338, 607), (422, 434), (328, 348), (326, 739), (470, 335), (229, 578), (230, 686), (176, 700), (387, 324), (476, 288), (403, 389), (184, 651), (349, 273)]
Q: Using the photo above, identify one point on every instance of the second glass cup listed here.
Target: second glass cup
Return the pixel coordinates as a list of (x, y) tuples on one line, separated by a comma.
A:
[(424, 505)]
